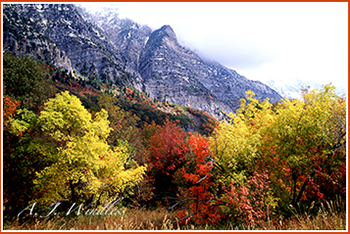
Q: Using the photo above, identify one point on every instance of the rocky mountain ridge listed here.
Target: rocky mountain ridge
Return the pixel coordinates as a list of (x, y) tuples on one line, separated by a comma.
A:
[(106, 49)]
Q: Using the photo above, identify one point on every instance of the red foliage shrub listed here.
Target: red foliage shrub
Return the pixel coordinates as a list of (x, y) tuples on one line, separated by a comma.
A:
[(247, 202)]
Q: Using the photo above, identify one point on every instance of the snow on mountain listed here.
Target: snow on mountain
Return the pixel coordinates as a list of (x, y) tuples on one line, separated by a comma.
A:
[(291, 88)]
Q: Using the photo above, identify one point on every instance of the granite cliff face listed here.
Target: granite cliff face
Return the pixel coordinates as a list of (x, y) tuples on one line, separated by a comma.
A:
[(104, 48), (22, 35), (174, 73), (59, 31), (129, 37)]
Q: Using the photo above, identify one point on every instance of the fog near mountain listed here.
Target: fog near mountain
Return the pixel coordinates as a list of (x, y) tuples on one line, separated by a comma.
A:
[(263, 41), (291, 88)]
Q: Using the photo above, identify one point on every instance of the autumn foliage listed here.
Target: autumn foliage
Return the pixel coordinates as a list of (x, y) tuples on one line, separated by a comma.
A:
[(300, 143), (202, 202), (10, 108), (167, 154), (86, 145)]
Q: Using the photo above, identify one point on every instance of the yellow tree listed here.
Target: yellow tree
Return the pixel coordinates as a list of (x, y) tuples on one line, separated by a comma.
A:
[(82, 167), (300, 143)]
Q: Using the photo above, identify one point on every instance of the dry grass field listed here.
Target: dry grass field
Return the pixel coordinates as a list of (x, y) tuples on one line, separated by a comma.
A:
[(328, 218)]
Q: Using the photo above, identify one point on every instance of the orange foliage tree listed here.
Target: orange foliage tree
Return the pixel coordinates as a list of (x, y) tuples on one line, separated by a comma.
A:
[(198, 195)]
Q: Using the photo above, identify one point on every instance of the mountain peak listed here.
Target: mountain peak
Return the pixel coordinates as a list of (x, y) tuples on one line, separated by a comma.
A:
[(166, 31)]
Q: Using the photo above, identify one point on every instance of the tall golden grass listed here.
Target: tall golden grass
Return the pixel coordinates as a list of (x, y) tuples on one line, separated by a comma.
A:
[(329, 217)]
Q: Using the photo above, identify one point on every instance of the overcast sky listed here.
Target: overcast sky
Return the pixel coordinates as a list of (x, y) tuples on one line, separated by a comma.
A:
[(261, 41)]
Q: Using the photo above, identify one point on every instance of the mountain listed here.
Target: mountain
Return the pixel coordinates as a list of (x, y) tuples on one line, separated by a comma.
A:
[(103, 48), (59, 34), (176, 74)]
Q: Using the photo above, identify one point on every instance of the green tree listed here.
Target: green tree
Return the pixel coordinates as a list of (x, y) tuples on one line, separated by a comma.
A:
[(123, 124), (26, 80)]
